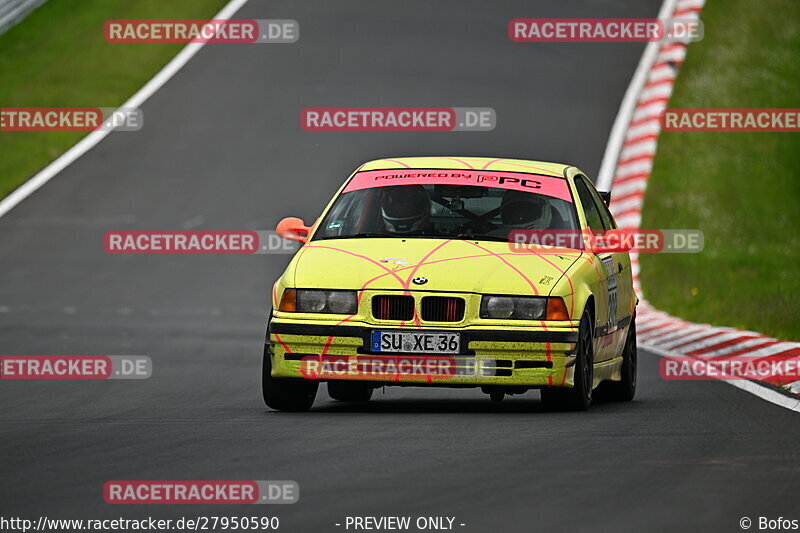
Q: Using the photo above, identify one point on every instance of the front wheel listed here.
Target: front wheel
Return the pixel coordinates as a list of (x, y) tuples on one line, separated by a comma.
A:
[(285, 394), (579, 397), (625, 389)]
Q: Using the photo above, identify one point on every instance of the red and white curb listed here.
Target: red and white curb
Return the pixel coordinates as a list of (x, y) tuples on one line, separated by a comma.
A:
[(626, 168)]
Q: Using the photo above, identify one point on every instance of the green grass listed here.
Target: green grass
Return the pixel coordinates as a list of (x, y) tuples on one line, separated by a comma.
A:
[(57, 57), (741, 189)]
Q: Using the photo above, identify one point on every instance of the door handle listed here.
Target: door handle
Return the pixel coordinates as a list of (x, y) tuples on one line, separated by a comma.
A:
[(619, 265)]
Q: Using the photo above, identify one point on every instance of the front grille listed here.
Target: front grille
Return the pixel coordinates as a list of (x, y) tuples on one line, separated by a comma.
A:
[(393, 307), (442, 309)]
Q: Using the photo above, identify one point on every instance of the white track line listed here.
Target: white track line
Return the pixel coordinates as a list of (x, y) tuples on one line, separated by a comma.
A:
[(619, 131), (755, 389), (627, 164), (91, 140)]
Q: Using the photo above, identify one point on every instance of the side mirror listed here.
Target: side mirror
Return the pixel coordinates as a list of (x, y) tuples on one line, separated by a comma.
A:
[(614, 240), (606, 196), (294, 229)]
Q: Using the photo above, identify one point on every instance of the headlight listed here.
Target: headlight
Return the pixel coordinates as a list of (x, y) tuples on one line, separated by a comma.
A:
[(316, 301), (530, 308), (517, 308), (342, 302), (498, 307), (311, 301)]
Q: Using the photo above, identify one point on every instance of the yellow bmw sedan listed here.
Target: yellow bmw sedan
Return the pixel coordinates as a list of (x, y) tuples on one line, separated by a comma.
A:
[(455, 272)]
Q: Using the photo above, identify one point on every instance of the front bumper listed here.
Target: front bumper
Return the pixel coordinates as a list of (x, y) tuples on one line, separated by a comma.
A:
[(530, 357)]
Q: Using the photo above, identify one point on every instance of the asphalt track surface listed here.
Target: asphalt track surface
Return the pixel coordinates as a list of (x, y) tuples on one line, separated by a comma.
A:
[(222, 149)]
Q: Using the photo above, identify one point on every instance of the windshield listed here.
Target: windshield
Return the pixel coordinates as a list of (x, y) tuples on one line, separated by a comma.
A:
[(445, 210)]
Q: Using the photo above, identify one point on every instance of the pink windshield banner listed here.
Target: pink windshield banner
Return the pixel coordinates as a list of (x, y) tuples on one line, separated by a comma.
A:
[(519, 181)]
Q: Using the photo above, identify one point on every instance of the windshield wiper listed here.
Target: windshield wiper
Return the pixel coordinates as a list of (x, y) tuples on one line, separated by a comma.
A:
[(479, 237), (361, 234), (461, 236)]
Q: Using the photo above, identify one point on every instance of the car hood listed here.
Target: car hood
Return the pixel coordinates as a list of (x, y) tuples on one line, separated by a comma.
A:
[(448, 265)]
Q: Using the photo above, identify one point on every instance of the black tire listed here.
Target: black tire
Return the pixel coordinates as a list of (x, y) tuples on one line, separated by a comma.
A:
[(579, 397), (346, 391), (625, 390), (286, 394)]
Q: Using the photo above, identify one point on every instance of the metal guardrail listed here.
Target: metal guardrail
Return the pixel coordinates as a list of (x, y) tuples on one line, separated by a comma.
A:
[(13, 11)]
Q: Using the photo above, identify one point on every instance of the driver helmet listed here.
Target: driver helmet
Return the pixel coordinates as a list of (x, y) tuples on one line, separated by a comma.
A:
[(405, 208), (524, 210)]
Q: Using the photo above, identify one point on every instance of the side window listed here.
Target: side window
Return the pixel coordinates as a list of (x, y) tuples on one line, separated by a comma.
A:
[(605, 214), (589, 206), (348, 214)]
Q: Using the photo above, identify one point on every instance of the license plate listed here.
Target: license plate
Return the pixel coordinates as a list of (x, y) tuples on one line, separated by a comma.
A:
[(415, 342)]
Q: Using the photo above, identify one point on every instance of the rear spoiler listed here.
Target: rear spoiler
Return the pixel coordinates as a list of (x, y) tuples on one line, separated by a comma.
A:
[(606, 196)]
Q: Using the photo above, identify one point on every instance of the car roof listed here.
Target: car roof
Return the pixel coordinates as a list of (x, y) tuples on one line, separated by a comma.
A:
[(469, 163)]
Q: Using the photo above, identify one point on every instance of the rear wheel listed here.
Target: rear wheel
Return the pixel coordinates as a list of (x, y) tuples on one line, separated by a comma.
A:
[(345, 391), (579, 397), (625, 390), (285, 394)]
